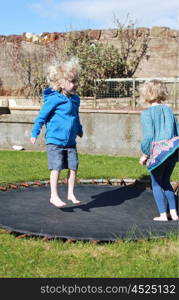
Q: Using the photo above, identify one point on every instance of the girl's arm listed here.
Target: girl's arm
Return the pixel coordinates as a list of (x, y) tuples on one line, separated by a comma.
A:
[(143, 159), (176, 126), (148, 132)]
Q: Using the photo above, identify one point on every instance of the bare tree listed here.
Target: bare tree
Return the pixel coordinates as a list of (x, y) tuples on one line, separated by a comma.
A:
[(133, 45), (29, 62)]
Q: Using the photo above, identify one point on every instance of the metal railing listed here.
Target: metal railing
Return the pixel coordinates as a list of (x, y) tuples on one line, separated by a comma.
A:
[(127, 89)]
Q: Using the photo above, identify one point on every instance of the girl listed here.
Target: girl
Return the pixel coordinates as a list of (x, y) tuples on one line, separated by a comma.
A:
[(159, 146), (60, 114)]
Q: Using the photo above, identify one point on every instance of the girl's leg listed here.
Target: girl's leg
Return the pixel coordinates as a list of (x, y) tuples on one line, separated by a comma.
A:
[(167, 187), (55, 199), (158, 194), (71, 183)]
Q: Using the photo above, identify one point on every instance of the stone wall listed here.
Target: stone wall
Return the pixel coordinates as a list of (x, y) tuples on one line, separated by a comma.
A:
[(162, 59)]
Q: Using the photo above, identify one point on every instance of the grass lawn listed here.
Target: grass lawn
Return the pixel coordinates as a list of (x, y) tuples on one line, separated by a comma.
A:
[(37, 257), (30, 166)]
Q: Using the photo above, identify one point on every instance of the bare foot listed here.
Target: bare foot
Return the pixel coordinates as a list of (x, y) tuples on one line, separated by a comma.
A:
[(174, 217), (73, 199), (161, 218), (57, 202)]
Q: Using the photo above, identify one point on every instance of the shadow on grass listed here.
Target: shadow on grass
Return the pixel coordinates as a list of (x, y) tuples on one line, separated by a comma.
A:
[(144, 177)]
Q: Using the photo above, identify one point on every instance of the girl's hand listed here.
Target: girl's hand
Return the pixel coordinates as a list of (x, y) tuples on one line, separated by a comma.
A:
[(33, 140), (143, 159)]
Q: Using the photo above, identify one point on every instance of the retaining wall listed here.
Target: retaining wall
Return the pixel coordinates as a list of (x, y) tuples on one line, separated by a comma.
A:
[(110, 132)]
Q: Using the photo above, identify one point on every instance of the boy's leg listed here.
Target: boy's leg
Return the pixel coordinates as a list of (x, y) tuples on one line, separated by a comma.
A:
[(71, 184), (55, 199), (72, 157)]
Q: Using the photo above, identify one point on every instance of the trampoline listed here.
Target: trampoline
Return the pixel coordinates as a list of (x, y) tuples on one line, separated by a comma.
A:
[(106, 213)]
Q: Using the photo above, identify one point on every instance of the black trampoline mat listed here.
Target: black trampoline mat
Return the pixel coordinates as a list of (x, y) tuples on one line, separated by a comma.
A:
[(106, 213)]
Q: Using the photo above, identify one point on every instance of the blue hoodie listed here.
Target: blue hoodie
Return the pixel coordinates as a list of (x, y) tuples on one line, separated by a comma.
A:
[(60, 114)]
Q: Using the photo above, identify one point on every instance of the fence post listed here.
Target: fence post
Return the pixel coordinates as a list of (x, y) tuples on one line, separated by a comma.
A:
[(133, 93), (94, 97), (175, 93)]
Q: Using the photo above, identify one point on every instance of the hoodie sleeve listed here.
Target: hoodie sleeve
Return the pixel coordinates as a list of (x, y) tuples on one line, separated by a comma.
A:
[(51, 100), (147, 128), (80, 128), (80, 131)]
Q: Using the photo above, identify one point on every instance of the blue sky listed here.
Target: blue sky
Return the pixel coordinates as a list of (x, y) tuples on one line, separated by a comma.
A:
[(39, 16)]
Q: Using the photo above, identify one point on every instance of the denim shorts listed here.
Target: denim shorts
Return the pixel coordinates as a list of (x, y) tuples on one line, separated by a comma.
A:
[(60, 158)]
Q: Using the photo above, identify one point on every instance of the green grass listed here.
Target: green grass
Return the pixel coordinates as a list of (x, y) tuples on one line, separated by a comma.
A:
[(36, 257), (30, 166)]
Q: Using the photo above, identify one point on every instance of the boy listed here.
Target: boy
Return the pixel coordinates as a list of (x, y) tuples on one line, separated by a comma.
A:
[(60, 114)]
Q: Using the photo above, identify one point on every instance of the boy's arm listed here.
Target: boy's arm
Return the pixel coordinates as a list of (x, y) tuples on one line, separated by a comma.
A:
[(80, 131), (80, 127), (33, 140), (43, 115)]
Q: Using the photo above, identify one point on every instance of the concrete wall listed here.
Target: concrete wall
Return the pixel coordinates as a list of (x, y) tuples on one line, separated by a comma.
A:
[(107, 132), (112, 133)]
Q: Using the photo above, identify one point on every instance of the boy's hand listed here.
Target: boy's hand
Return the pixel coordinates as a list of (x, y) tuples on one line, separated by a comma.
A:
[(33, 140), (80, 134), (143, 159)]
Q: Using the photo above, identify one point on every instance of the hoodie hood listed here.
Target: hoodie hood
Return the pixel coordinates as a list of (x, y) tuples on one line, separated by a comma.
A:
[(48, 92), (60, 114)]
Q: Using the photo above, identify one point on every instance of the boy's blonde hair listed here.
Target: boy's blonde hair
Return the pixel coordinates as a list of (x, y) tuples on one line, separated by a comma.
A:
[(154, 91), (64, 70)]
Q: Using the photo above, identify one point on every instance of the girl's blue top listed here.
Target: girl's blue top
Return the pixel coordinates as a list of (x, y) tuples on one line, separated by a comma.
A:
[(158, 123), (60, 114)]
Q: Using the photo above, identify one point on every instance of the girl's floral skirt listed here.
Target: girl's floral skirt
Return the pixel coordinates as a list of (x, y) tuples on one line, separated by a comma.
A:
[(160, 151)]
